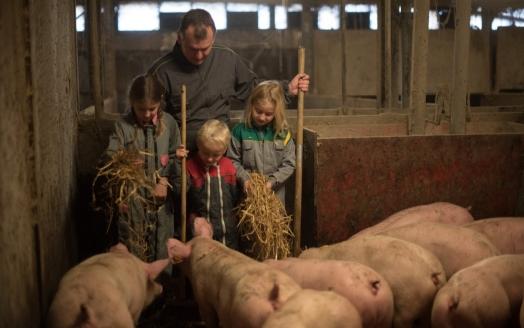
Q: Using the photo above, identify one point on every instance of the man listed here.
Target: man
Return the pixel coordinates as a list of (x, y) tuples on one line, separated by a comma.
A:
[(212, 74)]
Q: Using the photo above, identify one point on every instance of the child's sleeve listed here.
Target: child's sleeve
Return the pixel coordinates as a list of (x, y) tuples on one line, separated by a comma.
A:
[(287, 166), (234, 152), (116, 142)]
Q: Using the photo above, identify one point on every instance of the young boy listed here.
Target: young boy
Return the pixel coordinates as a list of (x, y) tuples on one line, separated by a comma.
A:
[(212, 178)]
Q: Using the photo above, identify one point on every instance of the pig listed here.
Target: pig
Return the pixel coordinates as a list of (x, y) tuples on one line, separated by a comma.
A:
[(106, 290), (506, 233), (456, 247), (365, 288), (231, 289), (440, 212), (413, 273), (311, 308), (486, 294)]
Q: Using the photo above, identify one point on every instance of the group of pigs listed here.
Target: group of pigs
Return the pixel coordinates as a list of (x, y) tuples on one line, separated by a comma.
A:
[(429, 265)]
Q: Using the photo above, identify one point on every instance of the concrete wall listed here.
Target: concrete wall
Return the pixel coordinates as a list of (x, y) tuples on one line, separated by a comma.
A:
[(37, 146)]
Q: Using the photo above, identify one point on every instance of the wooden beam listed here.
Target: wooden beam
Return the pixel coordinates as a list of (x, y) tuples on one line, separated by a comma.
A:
[(459, 96)]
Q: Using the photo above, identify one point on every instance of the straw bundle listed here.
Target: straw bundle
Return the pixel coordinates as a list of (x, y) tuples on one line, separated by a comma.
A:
[(124, 182), (263, 222)]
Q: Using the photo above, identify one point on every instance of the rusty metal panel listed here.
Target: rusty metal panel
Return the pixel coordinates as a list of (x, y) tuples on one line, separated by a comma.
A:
[(356, 182)]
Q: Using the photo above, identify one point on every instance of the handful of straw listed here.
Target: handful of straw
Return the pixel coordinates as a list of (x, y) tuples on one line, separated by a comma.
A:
[(263, 221), (124, 181)]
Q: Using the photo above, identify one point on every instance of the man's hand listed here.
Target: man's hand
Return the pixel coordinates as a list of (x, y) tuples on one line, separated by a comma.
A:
[(299, 82)]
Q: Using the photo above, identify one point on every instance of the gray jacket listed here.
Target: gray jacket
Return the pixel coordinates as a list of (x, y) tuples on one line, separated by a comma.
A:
[(263, 151), (155, 227)]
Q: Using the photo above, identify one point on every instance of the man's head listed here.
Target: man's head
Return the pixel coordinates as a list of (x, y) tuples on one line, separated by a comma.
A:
[(196, 35)]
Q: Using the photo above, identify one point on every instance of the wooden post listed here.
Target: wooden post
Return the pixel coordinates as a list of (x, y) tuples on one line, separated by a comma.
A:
[(459, 101), (183, 173), (419, 67), (380, 57), (95, 71), (388, 56), (343, 62), (406, 23), (299, 151), (395, 54)]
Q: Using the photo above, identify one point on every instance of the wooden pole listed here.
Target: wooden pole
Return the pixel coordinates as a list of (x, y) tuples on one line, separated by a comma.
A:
[(459, 96), (183, 180), (298, 171)]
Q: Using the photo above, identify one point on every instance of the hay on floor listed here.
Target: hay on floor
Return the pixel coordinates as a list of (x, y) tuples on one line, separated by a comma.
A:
[(263, 222)]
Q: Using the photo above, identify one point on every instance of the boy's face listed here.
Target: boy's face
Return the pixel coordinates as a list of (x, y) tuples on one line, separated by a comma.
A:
[(210, 153), (146, 112)]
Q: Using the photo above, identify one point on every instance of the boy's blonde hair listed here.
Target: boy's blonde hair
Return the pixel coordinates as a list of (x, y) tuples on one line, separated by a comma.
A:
[(272, 92), (214, 132)]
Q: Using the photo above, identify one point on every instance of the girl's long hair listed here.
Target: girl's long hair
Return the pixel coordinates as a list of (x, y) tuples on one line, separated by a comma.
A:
[(272, 92), (147, 88)]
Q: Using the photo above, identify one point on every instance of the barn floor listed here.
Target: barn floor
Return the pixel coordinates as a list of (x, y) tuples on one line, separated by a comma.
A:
[(172, 309)]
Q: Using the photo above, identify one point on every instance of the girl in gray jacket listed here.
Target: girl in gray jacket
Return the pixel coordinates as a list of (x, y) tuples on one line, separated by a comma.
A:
[(262, 142), (155, 136)]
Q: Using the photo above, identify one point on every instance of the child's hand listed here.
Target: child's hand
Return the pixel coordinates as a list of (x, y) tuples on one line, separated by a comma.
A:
[(123, 208), (161, 189), (269, 185), (247, 186), (181, 152)]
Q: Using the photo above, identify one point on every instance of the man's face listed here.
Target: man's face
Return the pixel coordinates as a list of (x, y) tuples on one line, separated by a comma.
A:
[(196, 51)]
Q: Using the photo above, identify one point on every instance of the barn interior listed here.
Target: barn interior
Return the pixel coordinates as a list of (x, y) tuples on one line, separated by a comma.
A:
[(410, 102)]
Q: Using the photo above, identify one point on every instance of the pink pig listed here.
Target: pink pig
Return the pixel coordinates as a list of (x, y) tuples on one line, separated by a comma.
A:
[(106, 290)]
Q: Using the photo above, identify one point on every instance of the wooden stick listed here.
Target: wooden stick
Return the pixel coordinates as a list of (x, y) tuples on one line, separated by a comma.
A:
[(183, 181), (298, 171)]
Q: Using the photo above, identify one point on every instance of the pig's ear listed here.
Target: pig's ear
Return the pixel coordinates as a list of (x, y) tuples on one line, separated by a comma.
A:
[(153, 269), (177, 250), (85, 316), (152, 291)]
